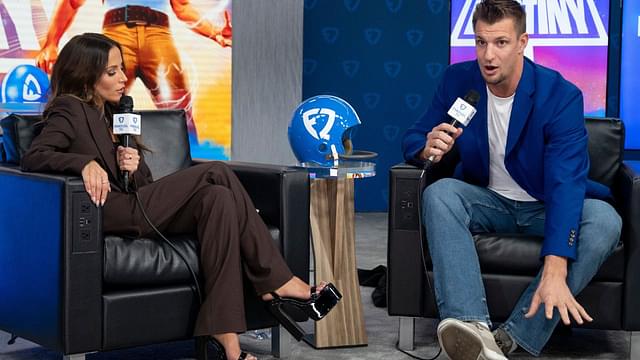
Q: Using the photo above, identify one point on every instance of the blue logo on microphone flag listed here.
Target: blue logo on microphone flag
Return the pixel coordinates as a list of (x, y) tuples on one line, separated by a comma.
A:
[(570, 36)]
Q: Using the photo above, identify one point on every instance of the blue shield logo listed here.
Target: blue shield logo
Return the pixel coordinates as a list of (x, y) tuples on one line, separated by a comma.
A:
[(414, 37), (372, 35), (434, 70), (350, 67), (351, 5), (309, 66), (392, 68), (393, 5), (390, 132), (435, 6), (330, 34), (413, 101), (371, 100)]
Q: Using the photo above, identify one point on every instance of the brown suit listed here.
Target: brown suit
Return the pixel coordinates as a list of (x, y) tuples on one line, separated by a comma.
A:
[(207, 199)]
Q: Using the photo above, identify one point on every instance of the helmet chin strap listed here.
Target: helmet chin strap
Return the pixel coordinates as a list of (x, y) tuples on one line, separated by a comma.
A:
[(348, 146), (334, 153)]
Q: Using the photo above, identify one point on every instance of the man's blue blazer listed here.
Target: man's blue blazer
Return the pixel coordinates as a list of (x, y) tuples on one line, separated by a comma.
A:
[(546, 150)]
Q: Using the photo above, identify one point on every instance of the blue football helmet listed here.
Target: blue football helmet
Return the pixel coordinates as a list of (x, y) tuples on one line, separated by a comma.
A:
[(320, 128), (25, 84)]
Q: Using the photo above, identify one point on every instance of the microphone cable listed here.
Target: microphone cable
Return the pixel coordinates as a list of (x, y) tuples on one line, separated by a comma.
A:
[(172, 245)]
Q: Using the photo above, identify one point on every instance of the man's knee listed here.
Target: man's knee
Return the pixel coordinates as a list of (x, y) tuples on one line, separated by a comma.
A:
[(603, 225), (444, 192), (441, 190)]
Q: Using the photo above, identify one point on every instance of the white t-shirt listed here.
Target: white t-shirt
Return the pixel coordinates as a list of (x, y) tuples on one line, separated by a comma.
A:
[(498, 116)]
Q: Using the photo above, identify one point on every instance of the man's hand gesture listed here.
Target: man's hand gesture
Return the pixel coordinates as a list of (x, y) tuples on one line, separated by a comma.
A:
[(554, 293)]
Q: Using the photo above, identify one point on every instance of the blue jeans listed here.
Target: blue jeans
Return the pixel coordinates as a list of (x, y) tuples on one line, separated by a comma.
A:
[(454, 210)]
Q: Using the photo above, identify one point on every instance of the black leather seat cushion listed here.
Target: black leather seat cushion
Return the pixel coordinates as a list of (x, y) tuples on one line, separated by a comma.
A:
[(517, 254), (152, 262)]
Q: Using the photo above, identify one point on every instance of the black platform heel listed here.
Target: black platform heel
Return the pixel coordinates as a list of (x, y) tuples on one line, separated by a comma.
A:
[(202, 349), (289, 311)]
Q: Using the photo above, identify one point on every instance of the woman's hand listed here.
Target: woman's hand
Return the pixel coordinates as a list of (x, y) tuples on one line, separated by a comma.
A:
[(96, 182), (128, 159)]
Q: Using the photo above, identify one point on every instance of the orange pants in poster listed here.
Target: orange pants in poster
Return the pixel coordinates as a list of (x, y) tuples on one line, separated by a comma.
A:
[(149, 53)]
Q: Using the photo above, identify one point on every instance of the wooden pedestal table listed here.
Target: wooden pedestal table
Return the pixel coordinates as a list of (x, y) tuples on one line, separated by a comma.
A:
[(333, 232)]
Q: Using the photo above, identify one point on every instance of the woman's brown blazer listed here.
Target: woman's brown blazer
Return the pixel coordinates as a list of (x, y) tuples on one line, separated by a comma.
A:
[(75, 133)]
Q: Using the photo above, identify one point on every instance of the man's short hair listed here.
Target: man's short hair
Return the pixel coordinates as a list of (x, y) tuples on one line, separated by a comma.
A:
[(492, 11)]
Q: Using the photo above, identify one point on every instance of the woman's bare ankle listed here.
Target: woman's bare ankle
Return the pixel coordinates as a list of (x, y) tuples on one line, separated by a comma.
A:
[(231, 344), (294, 288)]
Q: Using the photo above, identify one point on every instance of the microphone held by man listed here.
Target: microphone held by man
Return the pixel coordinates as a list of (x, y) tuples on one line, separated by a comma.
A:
[(441, 139)]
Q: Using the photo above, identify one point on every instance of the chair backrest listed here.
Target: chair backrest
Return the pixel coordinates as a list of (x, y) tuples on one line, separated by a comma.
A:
[(164, 132), (606, 148), (17, 133)]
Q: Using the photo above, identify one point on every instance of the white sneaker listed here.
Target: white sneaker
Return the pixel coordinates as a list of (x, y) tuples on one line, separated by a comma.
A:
[(466, 340)]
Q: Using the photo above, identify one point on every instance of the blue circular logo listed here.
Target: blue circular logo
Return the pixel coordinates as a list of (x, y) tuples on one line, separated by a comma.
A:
[(25, 84)]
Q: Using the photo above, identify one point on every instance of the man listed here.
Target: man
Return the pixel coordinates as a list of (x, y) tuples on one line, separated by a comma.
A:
[(523, 169), (142, 29)]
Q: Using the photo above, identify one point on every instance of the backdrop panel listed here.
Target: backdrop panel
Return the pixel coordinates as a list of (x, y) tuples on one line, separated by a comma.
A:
[(629, 74), (385, 58)]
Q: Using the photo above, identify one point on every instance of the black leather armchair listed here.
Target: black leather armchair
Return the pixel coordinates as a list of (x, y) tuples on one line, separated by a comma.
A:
[(67, 286), (509, 262)]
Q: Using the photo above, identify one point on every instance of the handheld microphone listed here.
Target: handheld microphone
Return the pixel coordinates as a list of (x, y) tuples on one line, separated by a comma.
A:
[(460, 113), (126, 123)]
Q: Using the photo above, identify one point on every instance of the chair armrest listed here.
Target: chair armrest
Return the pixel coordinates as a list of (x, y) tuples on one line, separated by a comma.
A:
[(406, 280), (628, 201), (281, 194), (405, 277), (50, 261)]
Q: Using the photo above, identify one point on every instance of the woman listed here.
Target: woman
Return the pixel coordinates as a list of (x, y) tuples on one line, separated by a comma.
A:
[(87, 82)]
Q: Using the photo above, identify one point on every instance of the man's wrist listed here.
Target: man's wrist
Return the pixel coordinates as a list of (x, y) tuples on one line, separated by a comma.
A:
[(555, 266)]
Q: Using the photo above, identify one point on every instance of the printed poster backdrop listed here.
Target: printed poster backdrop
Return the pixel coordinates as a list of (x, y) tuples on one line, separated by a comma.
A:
[(570, 36), (384, 57), (206, 65), (629, 79)]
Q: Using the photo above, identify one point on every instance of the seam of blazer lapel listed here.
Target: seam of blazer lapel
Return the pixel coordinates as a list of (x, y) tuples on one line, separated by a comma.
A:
[(482, 117), (523, 101)]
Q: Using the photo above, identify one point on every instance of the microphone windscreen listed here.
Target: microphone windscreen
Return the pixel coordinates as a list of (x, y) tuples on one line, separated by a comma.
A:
[(126, 104), (472, 97)]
